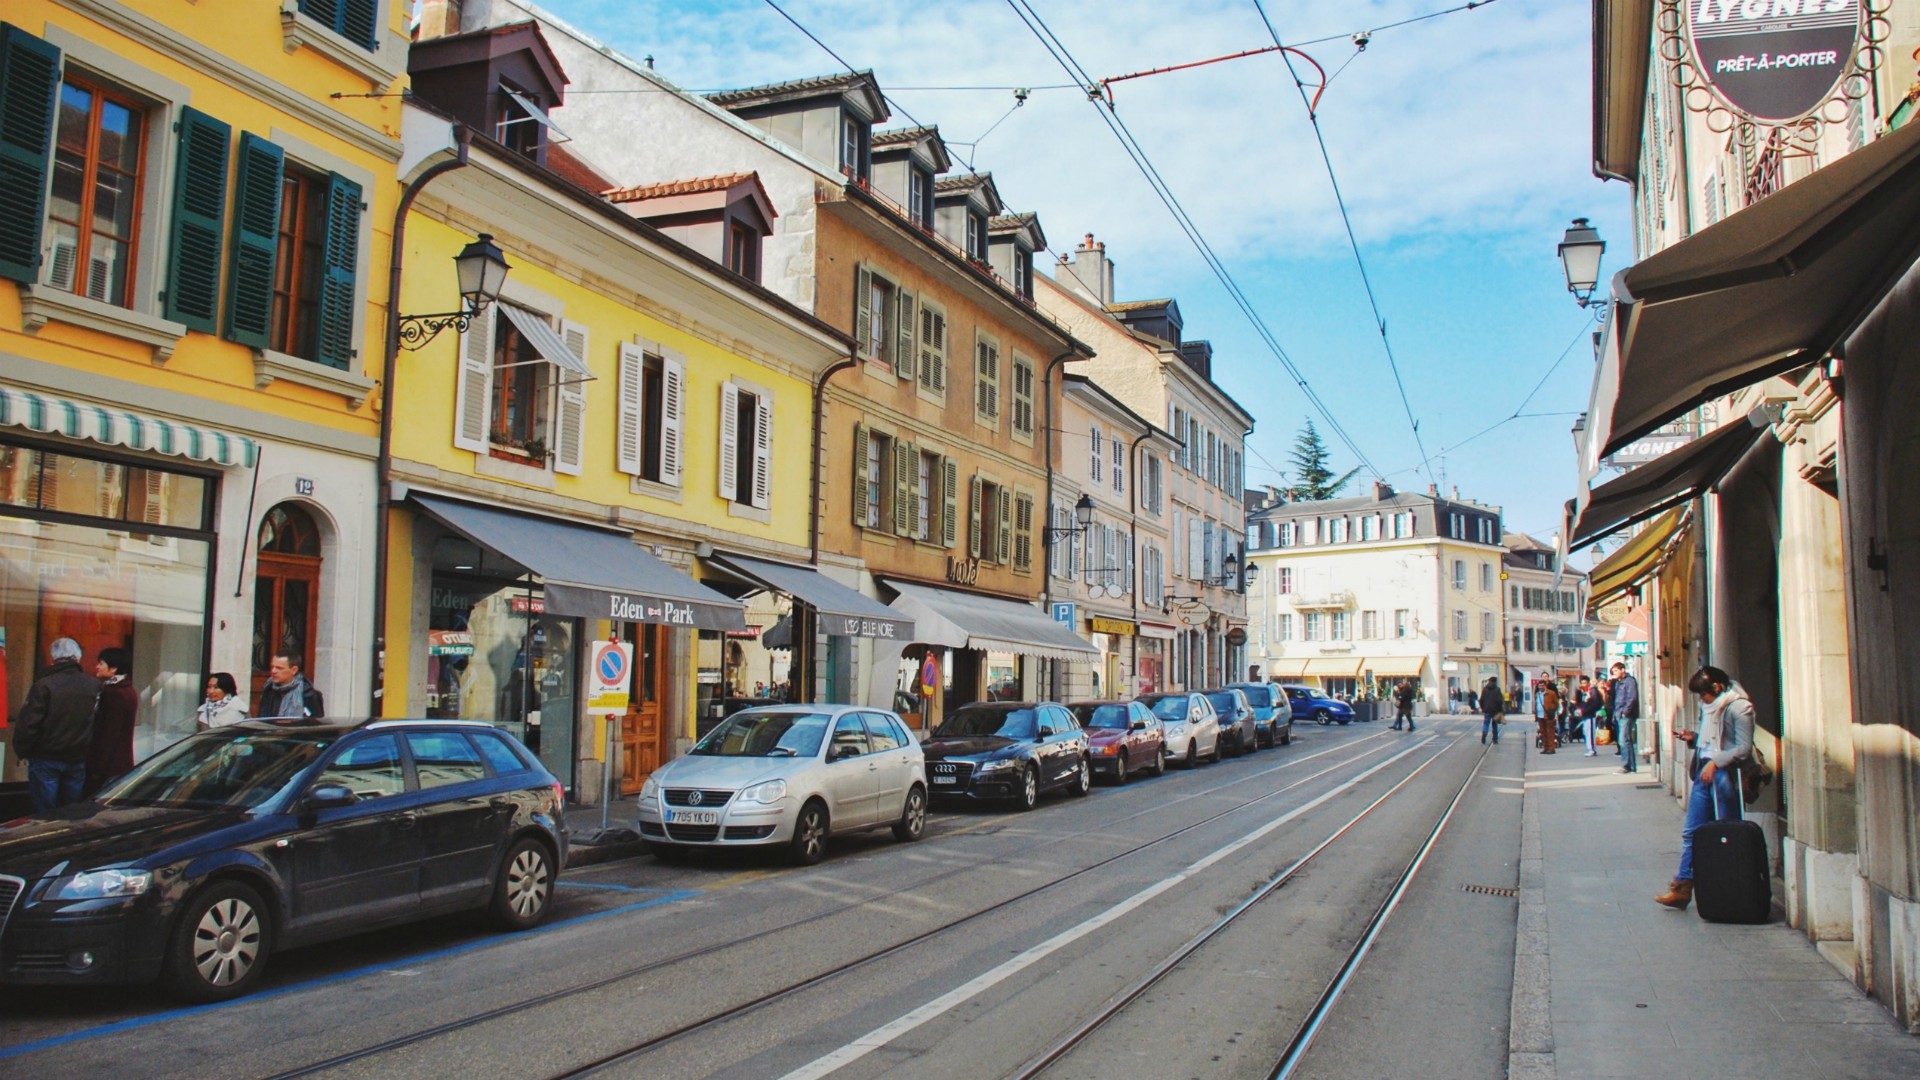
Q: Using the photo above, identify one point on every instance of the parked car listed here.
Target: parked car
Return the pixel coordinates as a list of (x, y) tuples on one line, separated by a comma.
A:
[(1270, 712), (994, 750), (1123, 738), (1191, 728), (265, 835), (1238, 732), (1310, 704), (788, 776)]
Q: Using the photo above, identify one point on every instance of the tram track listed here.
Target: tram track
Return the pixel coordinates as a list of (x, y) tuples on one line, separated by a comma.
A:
[(565, 993)]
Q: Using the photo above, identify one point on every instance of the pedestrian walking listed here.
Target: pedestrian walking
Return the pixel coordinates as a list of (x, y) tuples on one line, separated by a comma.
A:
[(1566, 712), (1625, 707), (1493, 707), (222, 705), (55, 728), (1723, 743), (1403, 704), (1547, 708), (110, 747), (288, 694), (1587, 704)]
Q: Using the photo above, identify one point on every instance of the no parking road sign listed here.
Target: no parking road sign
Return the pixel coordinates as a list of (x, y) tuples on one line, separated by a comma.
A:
[(608, 677)]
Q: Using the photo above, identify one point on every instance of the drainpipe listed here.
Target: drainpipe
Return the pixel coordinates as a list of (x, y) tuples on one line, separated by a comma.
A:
[(1133, 545), (1046, 579), (819, 447), (383, 467)]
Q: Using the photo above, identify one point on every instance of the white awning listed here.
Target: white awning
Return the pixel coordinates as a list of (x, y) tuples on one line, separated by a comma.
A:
[(544, 340), (961, 620), (52, 415)]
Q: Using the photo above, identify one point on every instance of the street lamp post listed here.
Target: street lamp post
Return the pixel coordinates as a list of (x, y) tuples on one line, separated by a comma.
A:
[(482, 273), (1580, 252)]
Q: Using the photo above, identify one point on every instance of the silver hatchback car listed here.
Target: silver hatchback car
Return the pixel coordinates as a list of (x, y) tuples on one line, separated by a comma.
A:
[(1191, 726), (788, 776)]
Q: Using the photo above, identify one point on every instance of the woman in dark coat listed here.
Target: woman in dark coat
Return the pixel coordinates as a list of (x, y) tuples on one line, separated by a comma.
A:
[(111, 754)]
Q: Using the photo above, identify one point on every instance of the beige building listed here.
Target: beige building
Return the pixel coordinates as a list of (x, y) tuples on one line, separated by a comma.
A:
[(1540, 600)]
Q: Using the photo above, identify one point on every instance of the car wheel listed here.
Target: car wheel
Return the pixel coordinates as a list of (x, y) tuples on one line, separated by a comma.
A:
[(1028, 796), (1323, 716), (1160, 760), (1193, 753), (1270, 738), (913, 817), (809, 843), (1345, 720), (1286, 738), (1084, 782), (1214, 758), (220, 944), (523, 890), (1120, 769)]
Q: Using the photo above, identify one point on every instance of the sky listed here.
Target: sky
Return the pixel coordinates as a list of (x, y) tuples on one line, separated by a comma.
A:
[(1461, 144)]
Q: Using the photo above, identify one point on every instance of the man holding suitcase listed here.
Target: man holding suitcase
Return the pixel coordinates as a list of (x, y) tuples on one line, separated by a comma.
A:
[(1723, 741)]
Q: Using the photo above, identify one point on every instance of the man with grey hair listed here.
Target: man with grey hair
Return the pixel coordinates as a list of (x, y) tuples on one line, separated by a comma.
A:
[(55, 728)]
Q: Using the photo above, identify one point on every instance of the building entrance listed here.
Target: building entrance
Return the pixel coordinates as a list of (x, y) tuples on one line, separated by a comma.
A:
[(286, 589), (646, 738)]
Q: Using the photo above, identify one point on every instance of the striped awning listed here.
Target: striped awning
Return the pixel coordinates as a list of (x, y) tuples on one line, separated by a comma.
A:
[(52, 415)]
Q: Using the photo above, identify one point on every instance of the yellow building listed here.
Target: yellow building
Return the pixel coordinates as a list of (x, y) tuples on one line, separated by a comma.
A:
[(195, 208), (617, 448)]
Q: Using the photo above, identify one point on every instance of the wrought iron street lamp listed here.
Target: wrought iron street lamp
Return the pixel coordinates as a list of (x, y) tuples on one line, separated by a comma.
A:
[(1083, 520), (1580, 251), (482, 272)]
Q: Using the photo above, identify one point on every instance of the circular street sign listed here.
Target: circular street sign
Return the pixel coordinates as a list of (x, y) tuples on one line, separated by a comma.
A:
[(1770, 65), (610, 664), (1237, 636), (1192, 613)]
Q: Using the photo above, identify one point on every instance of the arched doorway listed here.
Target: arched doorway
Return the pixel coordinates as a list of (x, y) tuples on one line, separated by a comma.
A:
[(286, 590)]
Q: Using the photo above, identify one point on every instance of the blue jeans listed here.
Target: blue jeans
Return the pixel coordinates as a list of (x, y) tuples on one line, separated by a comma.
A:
[(1630, 743), (1490, 723), (1718, 801), (54, 783)]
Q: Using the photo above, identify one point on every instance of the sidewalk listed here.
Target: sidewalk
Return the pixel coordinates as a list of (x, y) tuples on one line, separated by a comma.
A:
[(1608, 983), (619, 841)]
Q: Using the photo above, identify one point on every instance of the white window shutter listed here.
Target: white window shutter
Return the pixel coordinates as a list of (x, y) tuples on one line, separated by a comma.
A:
[(763, 453), (570, 423), (1095, 446), (474, 389), (633, 377), (729, 470), (673, 412)]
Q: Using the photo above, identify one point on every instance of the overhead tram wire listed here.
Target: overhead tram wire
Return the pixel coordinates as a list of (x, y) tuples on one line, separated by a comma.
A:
[(1137, 154), (1353, 241)]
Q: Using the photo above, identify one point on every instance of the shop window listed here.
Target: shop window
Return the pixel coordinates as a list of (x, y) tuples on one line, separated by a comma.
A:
[(93, 209)]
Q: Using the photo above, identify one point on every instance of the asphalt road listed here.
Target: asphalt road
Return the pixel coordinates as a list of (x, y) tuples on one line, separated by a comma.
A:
[(1063, 908)]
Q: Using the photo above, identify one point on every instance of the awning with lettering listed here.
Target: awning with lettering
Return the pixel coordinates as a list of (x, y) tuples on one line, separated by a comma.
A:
[(962, 620), (1767, 289), (1287, 669), (840, 611), (1333, 667), (1665, 482), (1397, 667), (589, 572)]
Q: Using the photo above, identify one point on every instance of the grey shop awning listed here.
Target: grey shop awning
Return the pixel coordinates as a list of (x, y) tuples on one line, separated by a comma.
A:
[(546, 341), (841, 611), (1666, 481), (588, 572), (962, 620), (1768, 289)]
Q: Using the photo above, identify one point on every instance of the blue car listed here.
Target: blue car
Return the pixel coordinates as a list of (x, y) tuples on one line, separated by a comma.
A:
[(1311, 704), (1274, 725)]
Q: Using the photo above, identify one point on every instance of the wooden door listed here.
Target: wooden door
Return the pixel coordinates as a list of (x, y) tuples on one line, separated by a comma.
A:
[(646, 738), (286, 597)]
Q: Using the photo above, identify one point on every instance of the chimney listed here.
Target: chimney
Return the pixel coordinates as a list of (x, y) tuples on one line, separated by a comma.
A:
[(1382, 491), (1456, 493), (1433, 491), (1089, 272), (438, 18)]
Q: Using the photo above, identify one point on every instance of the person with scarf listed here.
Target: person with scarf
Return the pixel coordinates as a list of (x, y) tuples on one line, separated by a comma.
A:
[(223, 705), (288, 694), (1722, 743)]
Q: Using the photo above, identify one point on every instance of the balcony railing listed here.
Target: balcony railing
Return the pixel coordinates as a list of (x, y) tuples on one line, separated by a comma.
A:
[(1337, 598)]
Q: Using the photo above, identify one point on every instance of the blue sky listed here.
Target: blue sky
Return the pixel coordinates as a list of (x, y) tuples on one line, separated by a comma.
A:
[(1461, 143)]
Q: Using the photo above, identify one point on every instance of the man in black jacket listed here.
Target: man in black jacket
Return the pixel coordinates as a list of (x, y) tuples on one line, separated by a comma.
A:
[(288, 694), (55, 728)]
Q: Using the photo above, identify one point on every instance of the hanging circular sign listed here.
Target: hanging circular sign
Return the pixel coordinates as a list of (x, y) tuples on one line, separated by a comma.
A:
[(1773, 61)]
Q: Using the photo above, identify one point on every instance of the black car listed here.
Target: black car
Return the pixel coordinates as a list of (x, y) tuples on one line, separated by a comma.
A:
[(266, 835), (1007, 750)]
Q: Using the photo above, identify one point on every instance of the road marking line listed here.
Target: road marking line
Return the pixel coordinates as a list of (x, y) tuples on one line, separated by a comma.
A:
[(887, 1033)]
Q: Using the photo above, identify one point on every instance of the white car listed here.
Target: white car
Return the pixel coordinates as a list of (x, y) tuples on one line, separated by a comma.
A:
[(1192, 727), (788, 776)]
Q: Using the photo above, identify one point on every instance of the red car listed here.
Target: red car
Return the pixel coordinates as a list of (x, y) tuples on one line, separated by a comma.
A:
[(1126, 738)]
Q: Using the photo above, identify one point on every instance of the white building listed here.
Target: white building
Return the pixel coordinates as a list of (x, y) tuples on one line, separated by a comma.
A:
[(1353, 595)]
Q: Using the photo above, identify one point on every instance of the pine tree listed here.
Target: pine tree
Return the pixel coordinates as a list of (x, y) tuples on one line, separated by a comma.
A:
[(1313, 479)]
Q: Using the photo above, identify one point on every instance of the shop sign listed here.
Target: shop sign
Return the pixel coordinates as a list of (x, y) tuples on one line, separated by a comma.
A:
[(526, 605), (449, 643), (1237, 636), (963, 571), (1100, 624), (1646, 448), (860, 626), (1773, 60), (751, 633), (608, 677)]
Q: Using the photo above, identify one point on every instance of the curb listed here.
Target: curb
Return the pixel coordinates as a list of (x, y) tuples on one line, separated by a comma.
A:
[(1530, 1016), (588, 854)]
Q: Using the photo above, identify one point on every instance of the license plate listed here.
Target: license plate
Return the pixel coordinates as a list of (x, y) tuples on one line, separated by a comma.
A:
[(946, 779), (693, 817)]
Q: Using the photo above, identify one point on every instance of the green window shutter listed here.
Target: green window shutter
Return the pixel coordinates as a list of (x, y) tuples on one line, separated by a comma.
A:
[(340, 252), (949, 503), (903, 347), (860, 444), (256, 234), (199, 217), (29, 85), (360, 22), (863, 311), (974, 516)]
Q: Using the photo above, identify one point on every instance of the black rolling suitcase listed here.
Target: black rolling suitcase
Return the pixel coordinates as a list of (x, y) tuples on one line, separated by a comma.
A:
[(1731, 880)]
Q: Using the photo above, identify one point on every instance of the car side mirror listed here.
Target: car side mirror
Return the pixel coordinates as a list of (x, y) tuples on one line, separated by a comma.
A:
[(1047, 732), (330, 796), (841, 753), (1137, 725)]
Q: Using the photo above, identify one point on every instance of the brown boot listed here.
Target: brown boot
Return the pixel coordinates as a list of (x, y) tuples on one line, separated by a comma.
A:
[(1678, 895)]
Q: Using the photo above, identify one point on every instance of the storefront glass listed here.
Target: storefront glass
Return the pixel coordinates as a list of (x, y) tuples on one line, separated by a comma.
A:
[(493, 654), (111, 554)]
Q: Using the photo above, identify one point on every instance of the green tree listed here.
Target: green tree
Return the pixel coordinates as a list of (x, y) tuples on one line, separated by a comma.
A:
[(1313, 478)]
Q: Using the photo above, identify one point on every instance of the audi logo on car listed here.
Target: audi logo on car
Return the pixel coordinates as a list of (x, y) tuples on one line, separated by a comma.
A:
[(696, 798), (943, 768)]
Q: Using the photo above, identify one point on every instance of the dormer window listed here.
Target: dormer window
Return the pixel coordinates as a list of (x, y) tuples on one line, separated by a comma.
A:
[(519, 124), (1023, 272), (976, 237), (743, 250), (855, 143), (920, 197)]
